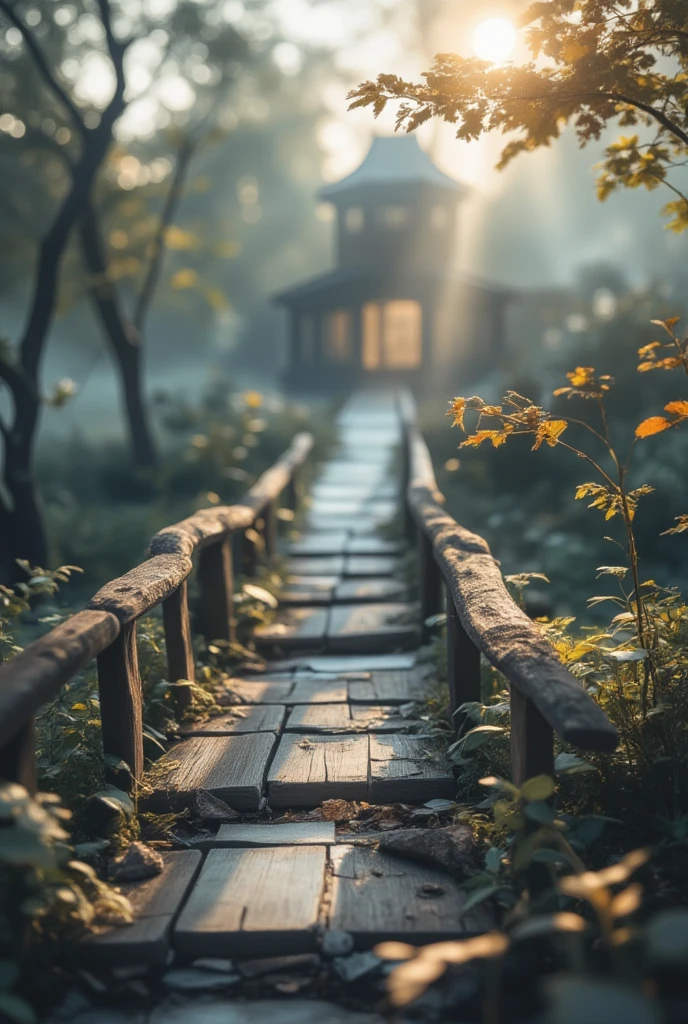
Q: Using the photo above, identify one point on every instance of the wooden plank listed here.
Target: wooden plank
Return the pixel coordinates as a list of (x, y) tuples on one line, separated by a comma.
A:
[(320, 544), (308, 770), (295, 629), (358, 524), (371, 588), (259, 902), (293, 833), (389, 687), (339, 718), (371, 565), (376, 627), (254, 691), (373, 545), (377, 897), (155, 903), (241, 719), (330, 565), (405, 769), (319, 691), (230, 767), (308, 589)]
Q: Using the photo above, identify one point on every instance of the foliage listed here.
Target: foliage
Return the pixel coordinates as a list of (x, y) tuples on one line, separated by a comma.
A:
[(16, 600), (45, 894), (593, 62)]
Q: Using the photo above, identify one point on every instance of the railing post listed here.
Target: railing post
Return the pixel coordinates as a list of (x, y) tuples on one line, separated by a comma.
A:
[(119, 685), (409, 522), (180, 659), (293, 490), (430, 582), (463, 663), (532, 740), (18, 758), (270, 529), (249, 555), (216, 585)]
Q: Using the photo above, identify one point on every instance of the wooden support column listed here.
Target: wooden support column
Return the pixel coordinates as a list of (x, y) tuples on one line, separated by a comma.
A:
[(270, 529), (216, 585), (430, 582), (293, 490), (119, 685), (409, 522), (532, 740), (180, 659), (463, 663), (18, 758)]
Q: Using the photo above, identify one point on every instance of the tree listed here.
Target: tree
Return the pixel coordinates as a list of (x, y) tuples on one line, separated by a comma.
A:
[(594, 63)]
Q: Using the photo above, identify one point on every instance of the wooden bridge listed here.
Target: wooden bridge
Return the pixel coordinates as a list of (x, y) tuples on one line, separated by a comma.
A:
[(330, 717)]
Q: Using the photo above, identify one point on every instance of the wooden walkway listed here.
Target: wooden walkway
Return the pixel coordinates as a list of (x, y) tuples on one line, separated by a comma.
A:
[(331, 719)]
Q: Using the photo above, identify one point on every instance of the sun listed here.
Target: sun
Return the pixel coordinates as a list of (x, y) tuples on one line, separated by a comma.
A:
[(494, 40)]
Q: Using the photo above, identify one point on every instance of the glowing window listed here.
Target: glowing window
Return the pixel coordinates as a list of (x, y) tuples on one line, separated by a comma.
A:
[(354, 218), (393, 217), (339, 336), (392, 335)]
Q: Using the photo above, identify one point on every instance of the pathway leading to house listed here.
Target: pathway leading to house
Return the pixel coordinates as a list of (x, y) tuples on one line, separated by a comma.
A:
[(332, 718)]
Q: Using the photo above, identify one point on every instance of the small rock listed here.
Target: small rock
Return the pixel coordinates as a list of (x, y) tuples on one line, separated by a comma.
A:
[(206, 807), (337, 943), (358, 965), (190, 979), (449, 848), (439, 806), (214, 964), (136, 863), (275, 964)]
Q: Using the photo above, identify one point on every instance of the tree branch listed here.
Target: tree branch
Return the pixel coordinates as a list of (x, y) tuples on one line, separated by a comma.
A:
[(171, 204), (42, 66)]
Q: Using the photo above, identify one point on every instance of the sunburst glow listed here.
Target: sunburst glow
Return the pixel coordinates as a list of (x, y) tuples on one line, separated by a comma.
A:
[(494, 40)]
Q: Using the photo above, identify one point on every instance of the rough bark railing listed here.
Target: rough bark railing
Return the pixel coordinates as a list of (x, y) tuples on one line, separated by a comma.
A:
[(458, 571), (106, 629)]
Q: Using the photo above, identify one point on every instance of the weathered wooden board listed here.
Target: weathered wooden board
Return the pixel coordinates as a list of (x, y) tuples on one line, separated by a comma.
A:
[(356, 525), (230, 767), (304, 590), (372, 627), (377, 897), (294, 629), (308, 770), (338, 718), (320, 544), (406, 769), (258, 902), (389, 687), (319, 691), (373, 545), (155, 903), (255, 691), (331, 565), (244, 718), (293, 833), (371, 565), (370, 588)]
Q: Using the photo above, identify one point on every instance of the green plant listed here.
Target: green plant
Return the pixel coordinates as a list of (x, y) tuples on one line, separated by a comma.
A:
[(47, 898)]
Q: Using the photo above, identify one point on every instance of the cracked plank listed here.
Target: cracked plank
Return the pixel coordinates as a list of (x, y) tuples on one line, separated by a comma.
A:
[(406, 769), (244, 718), (308, 770), (254, 902)]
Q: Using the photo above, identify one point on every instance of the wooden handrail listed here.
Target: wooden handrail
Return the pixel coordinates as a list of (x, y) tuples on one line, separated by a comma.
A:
[(482, 618), (106, 629)]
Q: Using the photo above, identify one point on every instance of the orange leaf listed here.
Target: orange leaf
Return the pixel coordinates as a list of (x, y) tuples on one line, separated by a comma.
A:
[(679, 408), (653, 425)]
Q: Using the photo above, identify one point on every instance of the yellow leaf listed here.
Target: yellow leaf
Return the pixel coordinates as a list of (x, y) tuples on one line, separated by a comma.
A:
[(457, 409), (253, 399), (679, 408), (653, 425), (574, 51), (549, 431), (217, 299), (179, 240), (186, 278)]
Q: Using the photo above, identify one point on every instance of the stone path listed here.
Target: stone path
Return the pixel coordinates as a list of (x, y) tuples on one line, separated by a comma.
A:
[(332, 719)]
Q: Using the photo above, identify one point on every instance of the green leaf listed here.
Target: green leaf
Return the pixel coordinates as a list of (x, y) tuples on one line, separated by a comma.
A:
[(540, 787), (116, 763), (479, 896), (666, 937), (18, 846), (479, 736), (493, 859), (118, 799), (571, 764), (539, 811), (16, 1009)]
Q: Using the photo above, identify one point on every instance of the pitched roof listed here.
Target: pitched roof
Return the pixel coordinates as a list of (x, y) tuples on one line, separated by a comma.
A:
[(396, 158), (335, 280)]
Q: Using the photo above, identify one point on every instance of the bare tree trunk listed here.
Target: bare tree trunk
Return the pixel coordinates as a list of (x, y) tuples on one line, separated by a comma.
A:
[(125, 343)]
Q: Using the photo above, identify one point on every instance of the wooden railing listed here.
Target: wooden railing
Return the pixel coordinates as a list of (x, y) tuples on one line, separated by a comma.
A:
[(457, 571), (106, 629)]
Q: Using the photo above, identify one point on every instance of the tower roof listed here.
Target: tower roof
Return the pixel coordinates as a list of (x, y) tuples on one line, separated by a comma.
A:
[(393, 159)]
